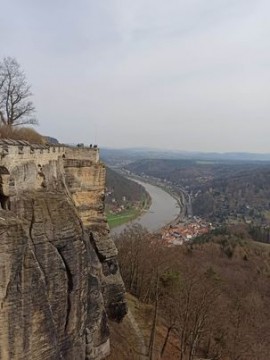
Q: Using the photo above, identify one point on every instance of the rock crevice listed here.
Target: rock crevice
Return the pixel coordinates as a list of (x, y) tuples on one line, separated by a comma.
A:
[(59, 277)]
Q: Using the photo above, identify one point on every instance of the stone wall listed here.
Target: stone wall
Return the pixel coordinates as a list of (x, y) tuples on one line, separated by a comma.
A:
[(83, 153), (14, 153), (59, 277), (34, 166)]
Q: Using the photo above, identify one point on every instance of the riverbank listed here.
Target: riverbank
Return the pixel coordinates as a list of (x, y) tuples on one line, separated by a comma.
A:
[(163, 210), (180, 199), (125, 199), (128, 215)]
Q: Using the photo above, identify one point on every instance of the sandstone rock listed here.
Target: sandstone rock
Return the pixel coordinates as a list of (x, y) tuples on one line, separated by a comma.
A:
[(59, 276)]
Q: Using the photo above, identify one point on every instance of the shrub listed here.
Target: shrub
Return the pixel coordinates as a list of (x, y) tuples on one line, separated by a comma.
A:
[(21, 133)]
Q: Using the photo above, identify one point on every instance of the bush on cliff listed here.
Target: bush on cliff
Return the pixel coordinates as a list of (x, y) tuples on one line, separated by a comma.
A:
[(21, 133)]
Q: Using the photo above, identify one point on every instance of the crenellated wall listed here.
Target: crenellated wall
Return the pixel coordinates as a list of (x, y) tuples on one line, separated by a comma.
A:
[(59, 276), (32, 167), (14, 153)]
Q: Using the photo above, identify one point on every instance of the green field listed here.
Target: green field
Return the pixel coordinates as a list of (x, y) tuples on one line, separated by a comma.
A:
[(125, 216), (128, 215)]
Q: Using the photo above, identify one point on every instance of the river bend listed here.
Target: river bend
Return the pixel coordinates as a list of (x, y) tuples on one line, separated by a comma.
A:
[(163, 209)]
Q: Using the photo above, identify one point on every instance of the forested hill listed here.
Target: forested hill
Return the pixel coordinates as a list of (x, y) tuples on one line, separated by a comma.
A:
[(217, 286), (220, 191), (119, 188)]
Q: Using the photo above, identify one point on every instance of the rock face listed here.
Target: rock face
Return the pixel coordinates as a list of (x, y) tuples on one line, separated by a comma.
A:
[(59, 277)]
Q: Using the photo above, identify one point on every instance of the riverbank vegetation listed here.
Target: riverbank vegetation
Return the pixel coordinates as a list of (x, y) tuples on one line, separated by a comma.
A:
[(125, 199), (124, 216), (208, 299)]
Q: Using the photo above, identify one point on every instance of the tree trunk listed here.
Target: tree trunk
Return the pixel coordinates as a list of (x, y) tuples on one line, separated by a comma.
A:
[(2, 119), (169, 329), (153, 332)]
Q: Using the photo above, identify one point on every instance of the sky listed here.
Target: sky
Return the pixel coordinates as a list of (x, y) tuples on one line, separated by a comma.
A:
[(175, 74)]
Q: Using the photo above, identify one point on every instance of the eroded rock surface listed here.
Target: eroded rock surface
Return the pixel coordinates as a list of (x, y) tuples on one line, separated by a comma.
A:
[(59, 277)]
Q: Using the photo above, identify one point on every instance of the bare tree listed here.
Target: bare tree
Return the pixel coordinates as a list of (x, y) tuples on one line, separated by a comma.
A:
[(15, 106)]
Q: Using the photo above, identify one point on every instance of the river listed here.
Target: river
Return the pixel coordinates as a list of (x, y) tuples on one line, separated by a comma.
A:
[(163, 209)]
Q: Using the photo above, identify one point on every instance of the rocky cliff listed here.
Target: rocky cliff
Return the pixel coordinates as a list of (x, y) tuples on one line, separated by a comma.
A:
[(59, 277)]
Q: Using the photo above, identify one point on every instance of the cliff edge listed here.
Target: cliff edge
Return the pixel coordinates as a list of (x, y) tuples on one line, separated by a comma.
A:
[(59, 277)]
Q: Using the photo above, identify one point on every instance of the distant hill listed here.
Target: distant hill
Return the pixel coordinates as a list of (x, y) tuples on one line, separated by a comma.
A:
[(118, 156)]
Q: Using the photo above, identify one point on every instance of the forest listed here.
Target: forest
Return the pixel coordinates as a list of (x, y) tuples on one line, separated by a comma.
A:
[(120, 187), (208, 299), (230, 192)]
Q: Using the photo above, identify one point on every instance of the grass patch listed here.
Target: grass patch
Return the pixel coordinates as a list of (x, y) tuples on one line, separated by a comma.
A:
[(123, 217)]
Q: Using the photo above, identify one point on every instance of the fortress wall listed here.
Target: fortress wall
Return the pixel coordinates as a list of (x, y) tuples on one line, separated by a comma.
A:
[(13, 153), (37, 167), (83, 153), (32, 167), (16, 155)]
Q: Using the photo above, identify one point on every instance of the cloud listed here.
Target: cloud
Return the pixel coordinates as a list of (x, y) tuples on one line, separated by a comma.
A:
[(185, 74)]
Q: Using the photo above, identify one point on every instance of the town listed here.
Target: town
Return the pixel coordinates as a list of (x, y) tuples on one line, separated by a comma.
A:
[(185, 231)]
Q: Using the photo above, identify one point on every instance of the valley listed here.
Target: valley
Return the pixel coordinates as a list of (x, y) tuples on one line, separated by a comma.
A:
[(230, 193), (208, 297)]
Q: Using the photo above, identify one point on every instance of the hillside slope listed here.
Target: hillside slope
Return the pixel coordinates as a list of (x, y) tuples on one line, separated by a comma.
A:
[(212, 295)]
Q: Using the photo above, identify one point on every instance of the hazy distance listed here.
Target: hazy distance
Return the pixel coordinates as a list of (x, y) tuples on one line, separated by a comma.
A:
[(189, 75)]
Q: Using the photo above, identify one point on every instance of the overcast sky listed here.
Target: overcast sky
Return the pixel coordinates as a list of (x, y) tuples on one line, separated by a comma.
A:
[(179, 74)]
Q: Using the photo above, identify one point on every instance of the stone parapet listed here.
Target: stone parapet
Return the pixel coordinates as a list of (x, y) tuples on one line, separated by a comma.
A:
[(83, 153), (36, 166), (17, 151)]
